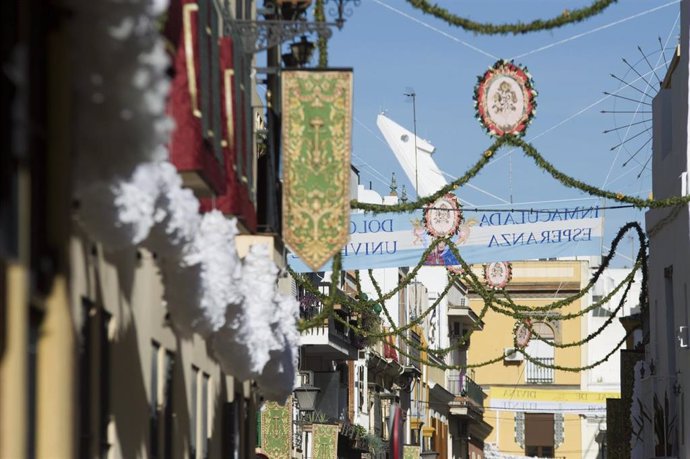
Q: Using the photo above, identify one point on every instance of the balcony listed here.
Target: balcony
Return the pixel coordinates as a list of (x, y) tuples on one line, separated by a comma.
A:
[(536, 374), (461, 317), (329, 338), (413, 351), (464, 386), (469, 396)]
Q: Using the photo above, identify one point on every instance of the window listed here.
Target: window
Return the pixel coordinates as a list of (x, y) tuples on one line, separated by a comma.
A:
[(543, 353), (161, 415), (35, 319), (361, 390), (539, 434), (14, 135), (601, 312), (199, 415), (209, 74), (85, 382), (193, 414), (153, 388), (231, 434), (169, 366), (204, 415), (106, 331)]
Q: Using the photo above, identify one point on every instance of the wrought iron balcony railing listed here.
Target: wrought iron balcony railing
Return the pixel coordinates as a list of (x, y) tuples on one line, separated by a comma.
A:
[(537, 374), (464, 386)]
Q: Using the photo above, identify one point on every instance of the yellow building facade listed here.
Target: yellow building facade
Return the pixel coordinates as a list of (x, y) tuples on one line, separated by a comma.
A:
[(534, 409)]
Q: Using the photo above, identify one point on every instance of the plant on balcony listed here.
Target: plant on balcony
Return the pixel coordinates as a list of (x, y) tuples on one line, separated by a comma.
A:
[(359, 431), (368, 323), (315, 417), (309, 306), (664, 427), (375, 443)]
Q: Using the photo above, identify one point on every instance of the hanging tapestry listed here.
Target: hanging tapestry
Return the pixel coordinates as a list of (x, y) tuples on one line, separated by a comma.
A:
[(410, 452), (316, 136), (325, 441), (276, 430)]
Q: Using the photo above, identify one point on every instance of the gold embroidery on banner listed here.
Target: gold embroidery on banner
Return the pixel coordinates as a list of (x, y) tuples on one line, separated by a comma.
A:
[(189, 51), (316, 156)]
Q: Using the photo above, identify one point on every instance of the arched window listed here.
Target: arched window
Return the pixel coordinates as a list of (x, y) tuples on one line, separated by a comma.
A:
[(542, 351)]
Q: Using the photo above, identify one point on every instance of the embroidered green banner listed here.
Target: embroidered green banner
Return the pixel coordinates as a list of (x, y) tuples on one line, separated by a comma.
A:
[(276, 430), (325, 441), (316, 136), (410, 452)]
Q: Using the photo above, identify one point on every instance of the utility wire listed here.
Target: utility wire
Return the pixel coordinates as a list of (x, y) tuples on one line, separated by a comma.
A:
[(627, 131), (430, 27), (569, 118), (533, 210), (597, 29)]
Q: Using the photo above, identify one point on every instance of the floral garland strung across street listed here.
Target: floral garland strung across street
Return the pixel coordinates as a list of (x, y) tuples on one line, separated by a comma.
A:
[(505, 103), (520, 313), (505, 99), (567, 17), (530, 151)]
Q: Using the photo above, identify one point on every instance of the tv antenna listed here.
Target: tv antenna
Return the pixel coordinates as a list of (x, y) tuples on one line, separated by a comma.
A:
[(411, 94)]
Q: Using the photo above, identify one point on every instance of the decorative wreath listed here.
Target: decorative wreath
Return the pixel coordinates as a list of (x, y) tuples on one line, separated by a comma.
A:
[(522, 333), (497, 274), (505, 99), (442, 218)]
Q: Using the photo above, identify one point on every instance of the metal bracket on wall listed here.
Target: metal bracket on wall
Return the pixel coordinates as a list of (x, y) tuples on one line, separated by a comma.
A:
[(257, 36)]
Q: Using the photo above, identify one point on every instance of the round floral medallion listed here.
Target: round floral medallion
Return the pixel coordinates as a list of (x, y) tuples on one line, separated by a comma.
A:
[(505, 99), (523, 333), (497, 274), (443, 217)]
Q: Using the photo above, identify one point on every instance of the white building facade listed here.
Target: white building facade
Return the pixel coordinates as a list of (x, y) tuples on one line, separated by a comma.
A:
[(665, 376)]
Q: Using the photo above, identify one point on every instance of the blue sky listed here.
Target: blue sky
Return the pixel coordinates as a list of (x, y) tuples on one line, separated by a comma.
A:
[(391, 47)]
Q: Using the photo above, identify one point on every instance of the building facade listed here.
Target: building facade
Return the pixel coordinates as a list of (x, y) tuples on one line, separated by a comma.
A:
[(659, 424), (150, 149), (533, 408)]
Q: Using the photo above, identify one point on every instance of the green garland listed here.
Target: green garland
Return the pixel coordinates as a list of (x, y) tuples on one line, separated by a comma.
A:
[(592, 335), (423, 361), (539, 160), (641, 260), (477, 286), (488, 295), (580, 368), (565, 18), (563, 317), (437, 351), (423, 201), (322, 41)]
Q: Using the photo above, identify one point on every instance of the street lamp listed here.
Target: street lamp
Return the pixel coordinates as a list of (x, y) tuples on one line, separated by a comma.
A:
[(341, 10), (292, 9), (306, 397), (300, 53)]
